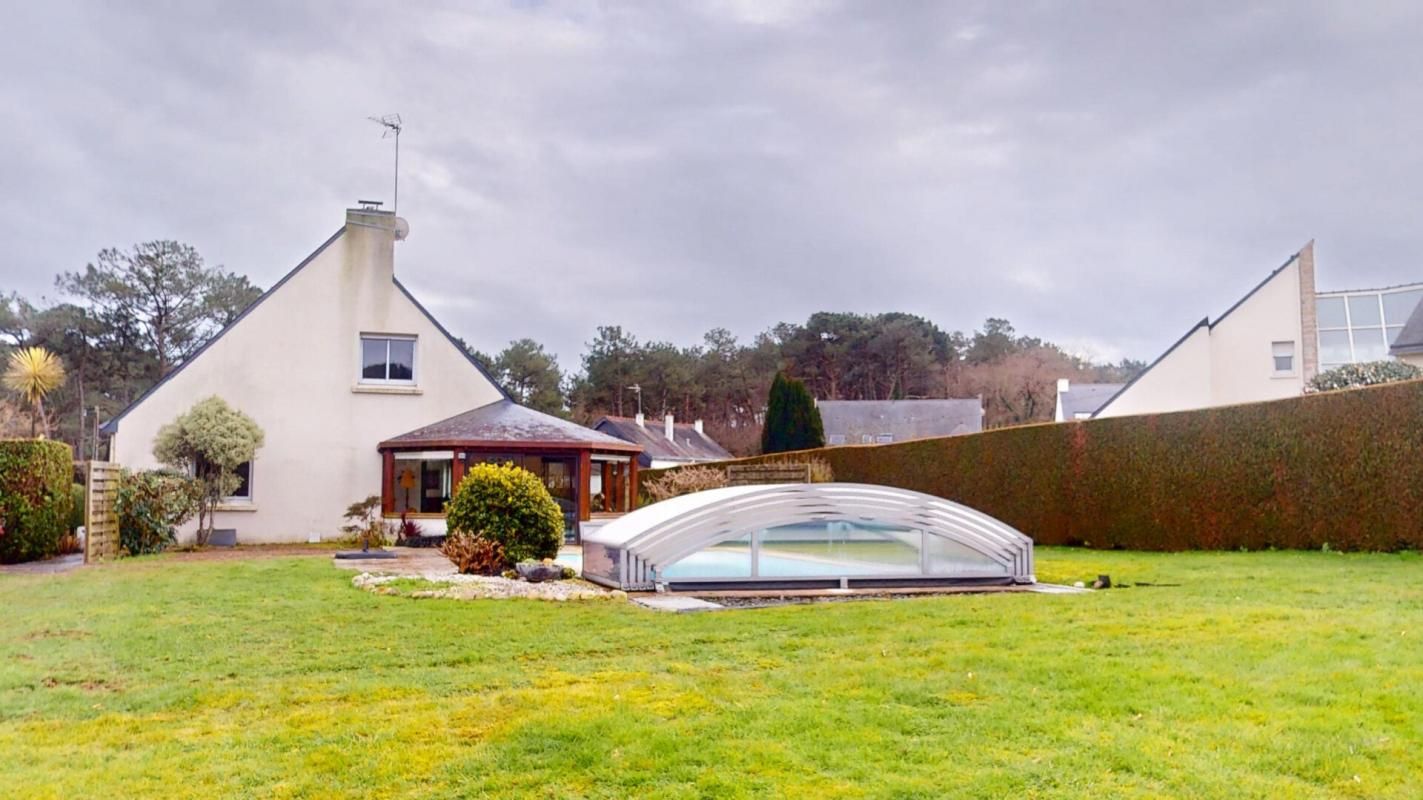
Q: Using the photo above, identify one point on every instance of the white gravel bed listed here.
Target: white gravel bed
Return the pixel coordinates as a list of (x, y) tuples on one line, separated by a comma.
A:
[(481, 587)]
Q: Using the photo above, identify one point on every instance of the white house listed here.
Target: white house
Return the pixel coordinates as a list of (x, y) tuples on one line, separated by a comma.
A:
[(340, 366), (1270, 343)]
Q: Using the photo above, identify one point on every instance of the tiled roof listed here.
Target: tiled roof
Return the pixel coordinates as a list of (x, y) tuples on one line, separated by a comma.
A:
[(1086, 398), (688, 444), (902, 419), (505, 421)]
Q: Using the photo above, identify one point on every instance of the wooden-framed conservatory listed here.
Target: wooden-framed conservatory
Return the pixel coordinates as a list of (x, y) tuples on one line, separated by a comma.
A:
[(589, 474)]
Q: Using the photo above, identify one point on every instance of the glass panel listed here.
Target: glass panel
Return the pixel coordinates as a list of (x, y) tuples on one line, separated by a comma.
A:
[(1398, 306), (1331, 312), (838, 548), (728, 559), (1393, 334), (1284, 363), (1369, 344), (1334, 347), (1364, 310), (373, 359), (244, 474), (950, 558), (402, 360), (557, 475), (435, 485)]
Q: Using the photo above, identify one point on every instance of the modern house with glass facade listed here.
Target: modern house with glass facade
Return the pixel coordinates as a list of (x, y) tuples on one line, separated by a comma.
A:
[(1272, 341), (361, 391)]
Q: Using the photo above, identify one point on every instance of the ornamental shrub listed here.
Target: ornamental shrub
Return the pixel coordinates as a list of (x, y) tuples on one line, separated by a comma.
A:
[(150, 506), (792, 419), (1372, 373), (35, 498), (1341, 469), (509, 506)]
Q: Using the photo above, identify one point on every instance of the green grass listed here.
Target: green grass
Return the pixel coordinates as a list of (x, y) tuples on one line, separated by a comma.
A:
[(1261, 675)]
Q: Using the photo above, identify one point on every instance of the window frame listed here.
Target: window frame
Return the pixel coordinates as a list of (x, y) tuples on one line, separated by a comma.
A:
[(366, 336), (235, 499), (1275, 346)]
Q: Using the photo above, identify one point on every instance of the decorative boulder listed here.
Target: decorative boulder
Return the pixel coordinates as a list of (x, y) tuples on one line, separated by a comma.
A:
[(534, 572)]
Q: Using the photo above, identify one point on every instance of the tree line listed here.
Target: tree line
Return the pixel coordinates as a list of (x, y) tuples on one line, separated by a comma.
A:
[(130, 317), (119, 325)]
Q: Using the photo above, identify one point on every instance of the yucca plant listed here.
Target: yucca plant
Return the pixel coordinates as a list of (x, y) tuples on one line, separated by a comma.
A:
[(32, 373)]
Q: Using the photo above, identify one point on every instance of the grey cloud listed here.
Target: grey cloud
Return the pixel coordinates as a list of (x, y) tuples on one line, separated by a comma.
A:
[(1101, 173)]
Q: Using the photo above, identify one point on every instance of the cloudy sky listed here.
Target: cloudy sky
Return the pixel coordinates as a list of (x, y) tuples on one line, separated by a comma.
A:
[(1102, 174)]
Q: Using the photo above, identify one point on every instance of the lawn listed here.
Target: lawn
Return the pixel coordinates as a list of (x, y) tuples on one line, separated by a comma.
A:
[(1238, 675)]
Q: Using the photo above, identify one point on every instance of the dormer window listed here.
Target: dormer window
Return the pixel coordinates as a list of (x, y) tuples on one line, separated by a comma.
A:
[(387, 359)]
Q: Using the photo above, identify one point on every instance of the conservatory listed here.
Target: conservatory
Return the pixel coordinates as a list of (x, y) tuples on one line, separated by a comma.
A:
[(823, 535)]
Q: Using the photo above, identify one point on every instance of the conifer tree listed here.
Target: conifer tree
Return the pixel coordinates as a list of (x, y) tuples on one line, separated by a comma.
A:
[(792, 420)]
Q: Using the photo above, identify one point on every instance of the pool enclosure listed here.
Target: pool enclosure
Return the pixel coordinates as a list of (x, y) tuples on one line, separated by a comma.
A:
[(821, 535)]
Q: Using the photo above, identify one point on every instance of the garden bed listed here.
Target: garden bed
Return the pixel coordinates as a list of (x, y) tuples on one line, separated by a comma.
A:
[(481, 587)]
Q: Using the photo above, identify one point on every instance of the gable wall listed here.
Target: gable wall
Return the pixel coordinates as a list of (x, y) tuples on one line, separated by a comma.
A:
[(1242, 363), (292, 364), (1180, 380)]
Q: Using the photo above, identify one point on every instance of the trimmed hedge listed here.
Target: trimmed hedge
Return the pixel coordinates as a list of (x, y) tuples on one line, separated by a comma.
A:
[(1342, 469), (36, 476)]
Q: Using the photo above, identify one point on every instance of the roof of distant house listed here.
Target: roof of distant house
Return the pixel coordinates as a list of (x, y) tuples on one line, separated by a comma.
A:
[(1410, 339), (902, 419), (1086, 398), (507, 422), (687, 445)]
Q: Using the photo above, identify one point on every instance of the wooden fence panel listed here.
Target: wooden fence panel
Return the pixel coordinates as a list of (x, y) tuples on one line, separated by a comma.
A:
[(101, 522), (760, 474)]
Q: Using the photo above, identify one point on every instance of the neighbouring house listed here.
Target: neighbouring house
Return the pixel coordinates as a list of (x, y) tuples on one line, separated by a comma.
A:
[(348, 375), (1407, 344), (1081, 400), (670, 444), (1272, 341), (885, 421)]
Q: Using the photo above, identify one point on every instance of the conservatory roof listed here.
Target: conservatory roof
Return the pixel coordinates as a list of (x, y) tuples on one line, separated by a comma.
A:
[(504, 423)]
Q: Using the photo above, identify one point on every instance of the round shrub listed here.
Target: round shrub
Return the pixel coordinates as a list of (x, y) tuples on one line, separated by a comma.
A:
[(1372, 373), (509, 506), (35, 500), (151, 505)]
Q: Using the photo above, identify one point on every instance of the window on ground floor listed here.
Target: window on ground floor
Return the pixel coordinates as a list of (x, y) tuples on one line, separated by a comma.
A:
[(243, 492), (422, 482)]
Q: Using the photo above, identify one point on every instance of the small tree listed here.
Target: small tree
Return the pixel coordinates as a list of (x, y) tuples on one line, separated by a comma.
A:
[(509, 506), (792, 420), (365, 523), (210, 441), (32, 373), (1353, 376)]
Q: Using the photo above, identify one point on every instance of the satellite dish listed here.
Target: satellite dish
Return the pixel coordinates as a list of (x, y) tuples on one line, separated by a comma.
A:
[(402, 229)]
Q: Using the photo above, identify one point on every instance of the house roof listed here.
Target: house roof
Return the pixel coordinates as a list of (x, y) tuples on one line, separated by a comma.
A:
[(1205, 322), (903, 419), (504, 422), (112, 425), (688, 444), (1086, 398), (1410, 339)]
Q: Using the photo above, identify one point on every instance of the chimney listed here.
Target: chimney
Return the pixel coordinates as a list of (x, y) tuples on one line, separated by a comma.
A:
[(697, 426), (667, 427), (639, 419), (1062, 385), (369, 241)]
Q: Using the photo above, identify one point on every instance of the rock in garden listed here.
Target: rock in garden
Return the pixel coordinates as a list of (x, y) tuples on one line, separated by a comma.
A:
[(534, 572)]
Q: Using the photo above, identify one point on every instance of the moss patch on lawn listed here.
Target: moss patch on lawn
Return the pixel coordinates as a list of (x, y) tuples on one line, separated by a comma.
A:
[(1260, 675)]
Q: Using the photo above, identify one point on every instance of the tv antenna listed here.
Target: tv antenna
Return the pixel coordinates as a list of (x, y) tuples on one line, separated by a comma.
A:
[(392, 125)]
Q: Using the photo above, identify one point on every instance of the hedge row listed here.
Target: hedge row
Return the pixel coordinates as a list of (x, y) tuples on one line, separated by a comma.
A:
[(36, 480), (1343, 469)]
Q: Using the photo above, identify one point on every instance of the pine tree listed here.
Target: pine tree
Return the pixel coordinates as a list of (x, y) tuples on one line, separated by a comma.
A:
[(792, 420)]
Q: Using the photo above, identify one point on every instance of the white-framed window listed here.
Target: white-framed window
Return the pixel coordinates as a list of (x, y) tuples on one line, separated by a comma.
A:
[(835, 438), (1284, 357), (243, 493), (867, 438), (387, 359), (884, 438)]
